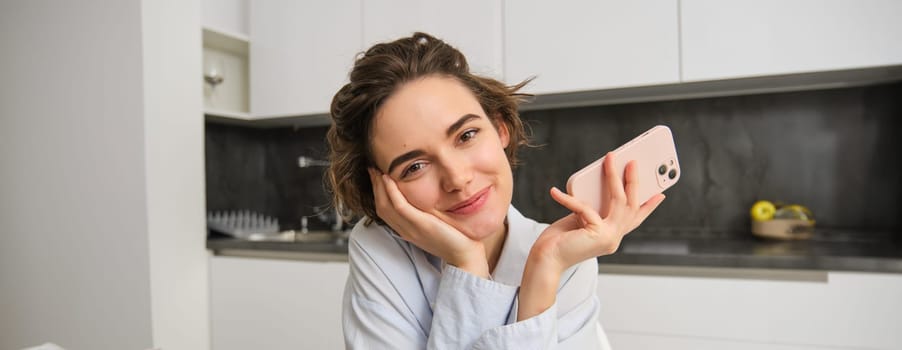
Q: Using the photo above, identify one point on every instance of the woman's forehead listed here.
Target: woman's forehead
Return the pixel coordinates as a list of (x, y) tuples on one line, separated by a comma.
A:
[(419, 113)]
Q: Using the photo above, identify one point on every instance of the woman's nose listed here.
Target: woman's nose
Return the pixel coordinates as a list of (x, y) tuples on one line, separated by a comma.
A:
[(458, 173)]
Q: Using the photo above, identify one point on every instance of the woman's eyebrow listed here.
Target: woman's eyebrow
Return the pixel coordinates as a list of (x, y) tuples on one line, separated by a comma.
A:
[(416, 153), (403, 158), (459, 123)]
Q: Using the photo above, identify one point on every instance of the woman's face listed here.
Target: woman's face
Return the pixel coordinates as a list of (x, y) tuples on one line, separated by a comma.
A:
[(434, 139)]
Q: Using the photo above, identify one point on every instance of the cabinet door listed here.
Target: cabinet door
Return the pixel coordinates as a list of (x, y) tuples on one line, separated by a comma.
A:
[(300, 54), (276, 304), (471, 26), (729, 39), (847, 311), (227, 16), (588, 45)]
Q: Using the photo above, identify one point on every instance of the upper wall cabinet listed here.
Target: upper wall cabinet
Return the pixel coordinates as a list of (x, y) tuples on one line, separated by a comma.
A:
[(301, 53), (733, 39), (590, 45), (472, 26), (225, 58), (226, 16)]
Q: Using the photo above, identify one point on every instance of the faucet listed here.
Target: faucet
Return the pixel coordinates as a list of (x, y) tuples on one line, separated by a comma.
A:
[(338, 224), (306, 162)]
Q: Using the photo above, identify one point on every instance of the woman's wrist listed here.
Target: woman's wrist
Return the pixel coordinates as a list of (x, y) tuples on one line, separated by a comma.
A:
[(472, 261), (543, 256), (538, 288)]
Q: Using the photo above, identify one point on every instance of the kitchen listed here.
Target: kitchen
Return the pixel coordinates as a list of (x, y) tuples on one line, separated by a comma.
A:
[(761, 108)]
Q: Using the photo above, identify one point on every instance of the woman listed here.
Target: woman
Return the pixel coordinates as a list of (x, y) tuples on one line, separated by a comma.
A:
[(423, 149)]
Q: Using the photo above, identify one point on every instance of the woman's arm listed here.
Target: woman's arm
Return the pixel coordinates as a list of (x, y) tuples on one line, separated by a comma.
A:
[(571, 322), (389, 301), (376, 314), (538, 288), (582, 235), (469, 310)]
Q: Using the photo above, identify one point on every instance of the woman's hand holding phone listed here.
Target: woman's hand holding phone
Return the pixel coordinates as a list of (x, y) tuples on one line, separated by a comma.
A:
[(585, 233), (426, 230), (582, 235), (605, 208)]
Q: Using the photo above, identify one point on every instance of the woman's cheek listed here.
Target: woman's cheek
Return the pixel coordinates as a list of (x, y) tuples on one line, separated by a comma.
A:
[(491, 156), (421, 193)]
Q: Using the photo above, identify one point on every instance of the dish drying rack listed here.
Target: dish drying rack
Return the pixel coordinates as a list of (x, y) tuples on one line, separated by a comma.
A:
[(244, 224)]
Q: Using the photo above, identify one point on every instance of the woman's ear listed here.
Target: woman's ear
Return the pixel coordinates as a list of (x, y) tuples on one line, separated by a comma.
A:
[(503, 132)]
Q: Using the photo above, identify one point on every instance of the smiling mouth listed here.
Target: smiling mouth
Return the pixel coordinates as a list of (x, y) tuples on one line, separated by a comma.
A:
[(472, 204)]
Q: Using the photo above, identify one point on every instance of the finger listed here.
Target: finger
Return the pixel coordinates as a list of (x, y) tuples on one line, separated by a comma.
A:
[(379, 196), (397, 199), (389, 206), (614, 184), (646, 209), (614, 189), (584, 211), (605, 203), (631, 184)]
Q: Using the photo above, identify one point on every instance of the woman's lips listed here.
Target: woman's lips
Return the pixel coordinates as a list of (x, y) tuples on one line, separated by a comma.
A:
[(472, 204)]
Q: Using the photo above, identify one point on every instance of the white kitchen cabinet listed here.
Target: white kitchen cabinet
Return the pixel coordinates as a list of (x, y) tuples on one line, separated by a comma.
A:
[(226, 16), (472, 26), (300, 54), (589, 45), (225, 55), (276, 304), (844, 311), (733, 39)]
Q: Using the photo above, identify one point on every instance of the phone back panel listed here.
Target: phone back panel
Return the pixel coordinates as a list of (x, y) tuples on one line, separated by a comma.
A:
[(654, 151)]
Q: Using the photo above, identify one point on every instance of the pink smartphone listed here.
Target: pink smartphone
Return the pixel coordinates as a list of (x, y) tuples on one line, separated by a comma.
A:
[(657, 168)]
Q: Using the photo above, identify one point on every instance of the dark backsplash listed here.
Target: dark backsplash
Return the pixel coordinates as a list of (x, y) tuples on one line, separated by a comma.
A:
[(835, 151), (257, 169)]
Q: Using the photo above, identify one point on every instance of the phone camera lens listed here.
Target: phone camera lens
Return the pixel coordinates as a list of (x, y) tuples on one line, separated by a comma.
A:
[(672, 174), (662, 169)]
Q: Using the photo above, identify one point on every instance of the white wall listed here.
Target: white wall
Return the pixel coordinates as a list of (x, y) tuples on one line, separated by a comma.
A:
[(174, 161), (101, 178), (74, 265), (226, 15)]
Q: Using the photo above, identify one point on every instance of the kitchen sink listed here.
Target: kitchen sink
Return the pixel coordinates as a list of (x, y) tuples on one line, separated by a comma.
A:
[(302, 237)]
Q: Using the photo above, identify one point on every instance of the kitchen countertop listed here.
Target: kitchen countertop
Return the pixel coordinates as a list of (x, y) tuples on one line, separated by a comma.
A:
[(828, 250)]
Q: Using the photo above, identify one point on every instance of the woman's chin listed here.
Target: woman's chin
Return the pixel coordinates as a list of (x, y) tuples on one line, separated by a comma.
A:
[(483, 229)]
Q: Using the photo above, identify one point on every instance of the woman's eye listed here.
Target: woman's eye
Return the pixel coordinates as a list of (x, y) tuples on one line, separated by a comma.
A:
[(413, 168), (468, 135)]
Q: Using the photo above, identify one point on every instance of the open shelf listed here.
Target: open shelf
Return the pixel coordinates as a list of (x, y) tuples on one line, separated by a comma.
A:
[(226, 114), (226, 41), (226, 53)]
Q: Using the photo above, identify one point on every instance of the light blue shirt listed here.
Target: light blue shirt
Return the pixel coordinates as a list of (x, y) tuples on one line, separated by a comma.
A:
[(401, 297)]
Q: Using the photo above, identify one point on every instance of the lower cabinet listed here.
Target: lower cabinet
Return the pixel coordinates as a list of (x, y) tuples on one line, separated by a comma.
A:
[(840, 310), (276, 304), (290, 304)]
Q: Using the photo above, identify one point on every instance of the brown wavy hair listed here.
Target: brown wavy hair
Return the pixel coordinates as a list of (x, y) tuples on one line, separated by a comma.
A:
[(376, 75)]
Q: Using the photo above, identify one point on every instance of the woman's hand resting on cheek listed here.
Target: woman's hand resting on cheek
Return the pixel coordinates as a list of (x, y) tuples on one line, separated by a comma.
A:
[(425, 230), (582, 235)]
